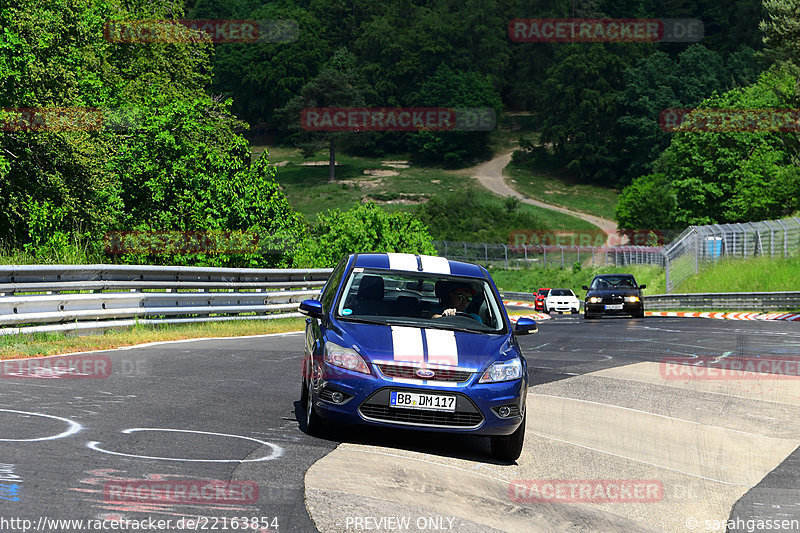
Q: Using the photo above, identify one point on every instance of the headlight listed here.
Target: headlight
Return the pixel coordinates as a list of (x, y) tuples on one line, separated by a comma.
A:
[(631, 299), (595, 300), (344, 358), (503, 371)]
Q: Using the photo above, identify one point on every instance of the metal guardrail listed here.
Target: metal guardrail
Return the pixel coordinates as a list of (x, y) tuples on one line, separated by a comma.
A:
[(733, 301), (75, 297), (95, 297)]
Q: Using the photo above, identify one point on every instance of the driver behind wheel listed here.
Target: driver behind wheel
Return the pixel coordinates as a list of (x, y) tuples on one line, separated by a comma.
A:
[(460, 299)]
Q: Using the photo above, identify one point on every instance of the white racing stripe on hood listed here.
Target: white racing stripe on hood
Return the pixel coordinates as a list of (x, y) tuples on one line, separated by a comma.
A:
[(436, 265), (442, 347), (407, 344), (402, 261)]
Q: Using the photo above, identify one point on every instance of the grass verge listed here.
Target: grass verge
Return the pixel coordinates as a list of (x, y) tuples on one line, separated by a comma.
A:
[(746, 275), (564, 191), (39, 344), (361, 179), (529, 280)]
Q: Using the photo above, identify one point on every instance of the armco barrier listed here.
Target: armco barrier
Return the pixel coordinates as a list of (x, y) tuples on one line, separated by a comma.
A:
[(733, 301), (76, 297), (95, 297)]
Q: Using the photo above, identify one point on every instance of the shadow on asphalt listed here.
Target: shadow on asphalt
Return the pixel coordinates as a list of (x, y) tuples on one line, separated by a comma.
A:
[(457, 446)]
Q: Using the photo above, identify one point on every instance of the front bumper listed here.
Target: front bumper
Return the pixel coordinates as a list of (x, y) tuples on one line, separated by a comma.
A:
[(564, 308), (628, 308), (366, 401)]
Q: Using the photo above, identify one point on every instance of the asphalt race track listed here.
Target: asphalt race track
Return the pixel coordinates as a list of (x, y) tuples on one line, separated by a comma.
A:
[(604, 411)]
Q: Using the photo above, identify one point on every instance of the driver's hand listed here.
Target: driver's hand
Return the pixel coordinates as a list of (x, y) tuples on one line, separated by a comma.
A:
[(449, 312)]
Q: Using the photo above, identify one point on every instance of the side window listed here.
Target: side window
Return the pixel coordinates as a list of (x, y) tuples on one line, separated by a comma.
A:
[(332, 284)]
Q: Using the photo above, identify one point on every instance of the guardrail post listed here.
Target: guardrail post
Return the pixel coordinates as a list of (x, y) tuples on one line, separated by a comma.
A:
[(544, 254), (465, 250), (562, 256), (525, 249), (486, 253), (505, 252)]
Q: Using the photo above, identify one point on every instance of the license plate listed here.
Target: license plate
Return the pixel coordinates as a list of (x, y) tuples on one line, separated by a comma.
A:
[(431, 402), (614, 306)]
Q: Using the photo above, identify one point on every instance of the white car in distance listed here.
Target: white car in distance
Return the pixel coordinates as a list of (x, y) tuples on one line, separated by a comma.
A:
[(561, 301)]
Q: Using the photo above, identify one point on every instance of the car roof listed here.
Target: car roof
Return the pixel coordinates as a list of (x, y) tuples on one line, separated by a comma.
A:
[(614, 276), (419, 263)]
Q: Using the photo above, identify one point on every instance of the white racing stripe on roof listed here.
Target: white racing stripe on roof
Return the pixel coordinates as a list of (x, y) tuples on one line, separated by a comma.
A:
[(407, 344), (436, 265), (402, 261), (442, 347)]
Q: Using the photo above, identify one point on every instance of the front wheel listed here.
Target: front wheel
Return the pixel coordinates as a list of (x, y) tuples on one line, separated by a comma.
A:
[(314, 422), (509, 447)]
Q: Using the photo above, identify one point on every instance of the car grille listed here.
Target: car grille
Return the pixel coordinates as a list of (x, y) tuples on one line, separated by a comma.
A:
[(377, 408), (418, 416), (408, 372)]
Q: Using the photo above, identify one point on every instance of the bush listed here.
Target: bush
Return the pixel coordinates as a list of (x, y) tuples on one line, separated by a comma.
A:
[(363, 229)]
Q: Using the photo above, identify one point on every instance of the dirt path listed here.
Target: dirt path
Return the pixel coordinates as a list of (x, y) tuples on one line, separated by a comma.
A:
[(490, 175)]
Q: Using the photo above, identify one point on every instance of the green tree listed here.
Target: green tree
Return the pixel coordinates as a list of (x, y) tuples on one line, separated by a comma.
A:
[(781, 29), (736, 176), (647, 203), (337, 85), (580, 107), (364, 228), (465, 90)]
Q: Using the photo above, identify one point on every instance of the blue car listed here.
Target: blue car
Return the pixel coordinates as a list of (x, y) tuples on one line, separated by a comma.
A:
[(416, 342)]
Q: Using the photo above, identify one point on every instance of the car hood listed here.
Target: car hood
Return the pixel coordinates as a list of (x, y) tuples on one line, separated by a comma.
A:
[(626, 291), (383, 343)]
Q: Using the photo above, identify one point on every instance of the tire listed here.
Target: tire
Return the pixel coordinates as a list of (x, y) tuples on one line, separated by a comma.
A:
[(304, 387), (509, 447), (303, 393), (314, 422)]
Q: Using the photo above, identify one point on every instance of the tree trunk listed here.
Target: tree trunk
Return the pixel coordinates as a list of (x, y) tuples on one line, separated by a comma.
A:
[(332, 171)]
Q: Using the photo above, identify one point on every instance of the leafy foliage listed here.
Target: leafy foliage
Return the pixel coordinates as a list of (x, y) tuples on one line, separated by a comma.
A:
[(706, 177), (466, 217), (364, 228)]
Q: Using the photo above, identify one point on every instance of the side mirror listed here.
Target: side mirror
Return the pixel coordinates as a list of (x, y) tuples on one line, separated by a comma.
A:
[(585, 288), (525, 326), (312, 308), (642, 287)]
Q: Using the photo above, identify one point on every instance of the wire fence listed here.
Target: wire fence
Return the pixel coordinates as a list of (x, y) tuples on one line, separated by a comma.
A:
[(555, 256), (699, 246), (695, 248)]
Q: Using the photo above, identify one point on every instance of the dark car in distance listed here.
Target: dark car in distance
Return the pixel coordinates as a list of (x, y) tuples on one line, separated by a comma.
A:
[(613, 294)]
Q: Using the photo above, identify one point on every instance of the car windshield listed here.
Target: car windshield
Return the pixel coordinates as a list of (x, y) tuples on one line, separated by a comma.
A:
[(417, 298), (561, 292), (543, 292), (614, 282)]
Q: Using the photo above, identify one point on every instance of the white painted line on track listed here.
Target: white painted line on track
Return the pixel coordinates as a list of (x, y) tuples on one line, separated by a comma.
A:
[(74, 427)]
